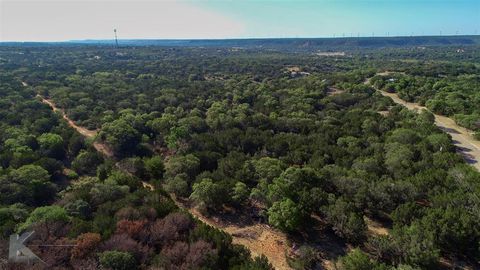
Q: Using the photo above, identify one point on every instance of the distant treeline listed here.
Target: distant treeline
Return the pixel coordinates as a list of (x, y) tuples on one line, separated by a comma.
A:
[(283, 43)]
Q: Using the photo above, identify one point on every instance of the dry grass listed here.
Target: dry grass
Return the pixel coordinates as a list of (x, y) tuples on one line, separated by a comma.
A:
[(375, 228)]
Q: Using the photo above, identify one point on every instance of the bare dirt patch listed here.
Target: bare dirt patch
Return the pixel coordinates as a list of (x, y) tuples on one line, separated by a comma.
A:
[(331, 91), (375, 228), (259, 238), (330, 53), (293, 69)]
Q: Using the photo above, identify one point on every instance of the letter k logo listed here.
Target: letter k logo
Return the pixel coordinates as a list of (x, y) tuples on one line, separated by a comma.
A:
[(18, 252)]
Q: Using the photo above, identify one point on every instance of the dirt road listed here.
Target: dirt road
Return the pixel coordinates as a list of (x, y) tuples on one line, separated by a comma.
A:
[(258, 238), (100, 147), (463, 139)]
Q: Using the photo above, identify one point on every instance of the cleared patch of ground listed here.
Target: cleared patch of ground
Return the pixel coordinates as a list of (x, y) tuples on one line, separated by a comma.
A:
[(330, 53), (293, 69), (331, 91), (259, 238), (375, 228)]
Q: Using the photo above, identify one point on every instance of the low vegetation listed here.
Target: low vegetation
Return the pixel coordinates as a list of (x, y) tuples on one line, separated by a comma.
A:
[(234, 130)]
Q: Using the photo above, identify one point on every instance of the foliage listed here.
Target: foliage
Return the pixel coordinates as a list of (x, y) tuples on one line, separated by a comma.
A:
[(216, 124), (45, 214), (357, 260), (285, 215), (86, 244), (117, 260)]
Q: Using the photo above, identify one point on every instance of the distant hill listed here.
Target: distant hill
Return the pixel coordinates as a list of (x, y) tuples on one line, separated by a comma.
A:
[(282, 43)]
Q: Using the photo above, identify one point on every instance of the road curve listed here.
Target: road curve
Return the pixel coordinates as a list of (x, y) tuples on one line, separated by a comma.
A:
[(466, 144), (100, 147), (260, 239)]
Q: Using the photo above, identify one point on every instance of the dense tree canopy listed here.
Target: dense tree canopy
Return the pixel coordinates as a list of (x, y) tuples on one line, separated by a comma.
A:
[(255, 131)]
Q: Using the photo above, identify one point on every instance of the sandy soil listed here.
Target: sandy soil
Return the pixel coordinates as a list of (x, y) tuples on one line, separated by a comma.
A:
[(331, 91), (330, 53), (375, 228), (148, 186), (293, 69), (259, 238), (463, 139)]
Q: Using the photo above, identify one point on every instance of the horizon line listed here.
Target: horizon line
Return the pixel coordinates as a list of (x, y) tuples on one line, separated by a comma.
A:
[(239, 38)]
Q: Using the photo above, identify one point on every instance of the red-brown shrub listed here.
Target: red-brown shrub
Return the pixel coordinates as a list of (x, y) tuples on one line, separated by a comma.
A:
[(86, 244), (130, 228)]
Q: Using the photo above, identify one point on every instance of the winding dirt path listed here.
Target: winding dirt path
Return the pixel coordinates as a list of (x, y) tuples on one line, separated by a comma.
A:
[(466, 144), (100, 147), (260, 239)]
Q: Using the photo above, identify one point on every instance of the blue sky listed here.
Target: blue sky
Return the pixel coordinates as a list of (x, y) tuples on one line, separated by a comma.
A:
[(56, 20), (352, 17)]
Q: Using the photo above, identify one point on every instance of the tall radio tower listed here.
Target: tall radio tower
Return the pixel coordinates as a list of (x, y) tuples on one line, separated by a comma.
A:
[(116, 40)]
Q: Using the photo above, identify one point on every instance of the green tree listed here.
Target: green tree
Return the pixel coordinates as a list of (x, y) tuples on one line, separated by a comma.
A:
[(403, 136), (28, 184), (188, 164), (285, 215), (86, 162), (206, 192), (346, 222), (79, 208), (175, 136), (154, 167), (178, 185), (240, 193), (440, 142), (258, 263), (268, 168), (52, 145), (218, 116), (10, 216), (117, 260), (291, 182), (416, 246), (45, 214), (121, 135), (356, 260), (399, 159)]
